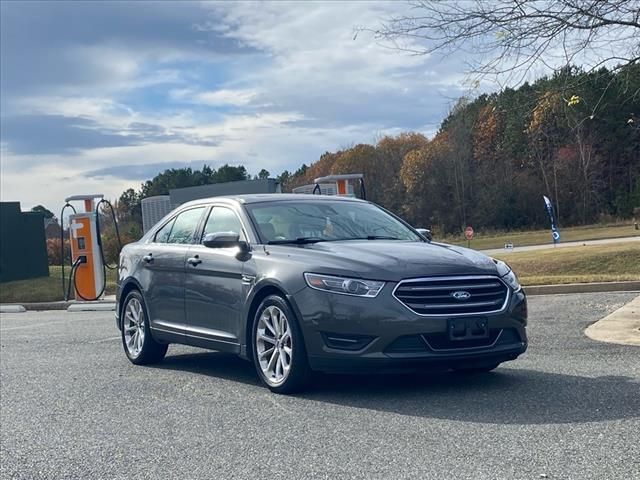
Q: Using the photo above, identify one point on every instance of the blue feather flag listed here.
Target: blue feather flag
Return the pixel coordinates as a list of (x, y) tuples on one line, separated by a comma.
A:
[(555, 234)]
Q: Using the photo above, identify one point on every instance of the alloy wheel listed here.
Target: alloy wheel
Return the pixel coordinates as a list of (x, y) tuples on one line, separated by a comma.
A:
[(274, 348), (134, 327)]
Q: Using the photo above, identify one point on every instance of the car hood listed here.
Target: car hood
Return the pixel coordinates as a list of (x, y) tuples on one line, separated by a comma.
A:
[(388, 260)]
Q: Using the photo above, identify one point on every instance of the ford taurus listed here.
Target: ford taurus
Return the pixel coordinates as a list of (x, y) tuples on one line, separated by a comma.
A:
[(302, 283)]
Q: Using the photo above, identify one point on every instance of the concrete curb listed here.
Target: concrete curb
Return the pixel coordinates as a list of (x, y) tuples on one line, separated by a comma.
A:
[(630, 286), (621, 327), (38, 306), (62, 305), (7, 308), (92, 307)]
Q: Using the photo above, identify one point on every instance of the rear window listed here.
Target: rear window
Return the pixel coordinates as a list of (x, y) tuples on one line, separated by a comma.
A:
[(180, 229), (184, 226)]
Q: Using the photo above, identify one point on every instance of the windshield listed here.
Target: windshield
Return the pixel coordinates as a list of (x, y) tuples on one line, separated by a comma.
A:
[(290, 221)]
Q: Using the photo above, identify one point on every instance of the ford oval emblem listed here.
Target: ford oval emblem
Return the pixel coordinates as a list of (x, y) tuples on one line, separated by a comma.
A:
[(461, 295)]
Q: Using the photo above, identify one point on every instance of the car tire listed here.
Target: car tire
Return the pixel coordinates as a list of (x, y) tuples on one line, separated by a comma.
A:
[(277, 347), (137, 341), (479, 369)]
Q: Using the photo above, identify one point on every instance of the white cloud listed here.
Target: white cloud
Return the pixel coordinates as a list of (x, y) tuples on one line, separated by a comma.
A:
[(268, 85), (52, 183), (316, 45), (72, 106), (226, 97)]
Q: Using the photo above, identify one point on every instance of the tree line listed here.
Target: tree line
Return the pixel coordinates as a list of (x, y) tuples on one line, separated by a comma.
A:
[(573, 136)]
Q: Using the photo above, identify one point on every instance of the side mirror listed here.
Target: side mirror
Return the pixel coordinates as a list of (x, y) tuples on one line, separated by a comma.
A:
[(426, 233), (224, 240)]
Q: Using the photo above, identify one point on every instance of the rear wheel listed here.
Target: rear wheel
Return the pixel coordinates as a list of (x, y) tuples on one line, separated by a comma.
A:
[(278, 348), (139, 345)]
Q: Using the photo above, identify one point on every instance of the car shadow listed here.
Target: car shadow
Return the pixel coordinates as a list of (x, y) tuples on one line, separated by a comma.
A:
[(506, 396), (213, 364)]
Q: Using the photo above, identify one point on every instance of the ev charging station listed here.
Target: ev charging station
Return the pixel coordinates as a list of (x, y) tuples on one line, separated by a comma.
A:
[(88, 274), (343, 185), (85, 249)]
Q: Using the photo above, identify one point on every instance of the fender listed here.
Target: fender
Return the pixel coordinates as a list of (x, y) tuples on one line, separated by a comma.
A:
[(122, 287), (255, 291)]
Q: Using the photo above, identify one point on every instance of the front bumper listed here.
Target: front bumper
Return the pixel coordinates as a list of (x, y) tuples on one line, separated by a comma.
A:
[(352, 334)]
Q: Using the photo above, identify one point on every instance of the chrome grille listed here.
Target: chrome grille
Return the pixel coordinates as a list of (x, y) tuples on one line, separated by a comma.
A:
[(448, 296)]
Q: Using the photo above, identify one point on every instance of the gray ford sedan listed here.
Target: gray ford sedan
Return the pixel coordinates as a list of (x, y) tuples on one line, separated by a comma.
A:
[(297, 283)]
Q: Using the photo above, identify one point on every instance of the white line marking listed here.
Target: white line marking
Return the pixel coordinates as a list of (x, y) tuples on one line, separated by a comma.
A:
[(34, 325), (106, 339)]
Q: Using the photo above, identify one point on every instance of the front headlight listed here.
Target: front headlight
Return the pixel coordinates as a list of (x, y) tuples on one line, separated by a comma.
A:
[(345, 286), (507, 275)]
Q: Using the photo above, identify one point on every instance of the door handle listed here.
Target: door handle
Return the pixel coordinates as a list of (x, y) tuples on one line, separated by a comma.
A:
[(148, 258), (194, 261)]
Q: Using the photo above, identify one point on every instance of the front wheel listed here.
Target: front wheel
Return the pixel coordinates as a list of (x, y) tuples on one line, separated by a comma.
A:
[(139, 345), (279, 354)]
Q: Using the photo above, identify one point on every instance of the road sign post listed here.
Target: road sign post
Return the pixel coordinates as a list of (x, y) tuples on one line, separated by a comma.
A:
[(468, 234)]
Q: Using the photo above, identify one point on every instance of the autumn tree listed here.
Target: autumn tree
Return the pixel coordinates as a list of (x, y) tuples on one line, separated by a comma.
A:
[(391, 152), (543, 131), (496, 155), (573, 135), (423, 184), (363, 159)]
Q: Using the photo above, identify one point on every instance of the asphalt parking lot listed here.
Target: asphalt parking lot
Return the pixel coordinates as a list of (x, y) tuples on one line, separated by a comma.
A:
[(72, 406)]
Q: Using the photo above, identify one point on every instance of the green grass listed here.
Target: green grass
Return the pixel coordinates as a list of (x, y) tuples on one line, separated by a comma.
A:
[(484, 241), (44, 289), (591, 263)]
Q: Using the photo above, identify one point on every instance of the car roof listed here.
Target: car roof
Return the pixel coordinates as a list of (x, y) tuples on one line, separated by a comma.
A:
[(270, 197), (248, 199)]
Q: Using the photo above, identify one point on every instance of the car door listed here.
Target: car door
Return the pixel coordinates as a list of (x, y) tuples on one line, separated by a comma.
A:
[(213, 286), (165, 265)]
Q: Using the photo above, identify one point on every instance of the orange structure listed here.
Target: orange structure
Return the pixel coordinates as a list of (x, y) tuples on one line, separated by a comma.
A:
[(85, 249), (345, 184)]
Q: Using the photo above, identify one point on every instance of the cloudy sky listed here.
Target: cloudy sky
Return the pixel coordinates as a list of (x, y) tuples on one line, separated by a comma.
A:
[(98, 97)]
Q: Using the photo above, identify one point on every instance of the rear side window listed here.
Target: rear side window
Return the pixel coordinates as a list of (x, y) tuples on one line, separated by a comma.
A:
[(222, 219), (162, 235), (184, 226)]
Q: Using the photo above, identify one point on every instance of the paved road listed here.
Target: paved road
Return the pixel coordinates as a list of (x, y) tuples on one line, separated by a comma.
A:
[(72, 406), (603, 241)]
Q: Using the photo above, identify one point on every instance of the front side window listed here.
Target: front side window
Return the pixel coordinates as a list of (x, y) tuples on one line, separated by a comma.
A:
[(222, 219), (184, 226), (284, 221), (162, 235)]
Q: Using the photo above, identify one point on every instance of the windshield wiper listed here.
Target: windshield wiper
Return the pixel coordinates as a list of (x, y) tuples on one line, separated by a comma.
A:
[(297, 241), (373, 237)]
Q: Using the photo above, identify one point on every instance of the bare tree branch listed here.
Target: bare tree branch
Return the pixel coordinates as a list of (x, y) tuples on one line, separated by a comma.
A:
[(513, 36)]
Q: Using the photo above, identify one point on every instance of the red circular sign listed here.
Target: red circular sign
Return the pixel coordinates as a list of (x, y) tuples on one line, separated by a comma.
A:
[(468, 233)]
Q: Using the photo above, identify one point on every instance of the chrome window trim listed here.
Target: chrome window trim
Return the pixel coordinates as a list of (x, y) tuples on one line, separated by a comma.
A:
[(453, 278)]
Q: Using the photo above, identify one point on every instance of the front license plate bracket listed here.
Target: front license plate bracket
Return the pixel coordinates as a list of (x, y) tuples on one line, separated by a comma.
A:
[(471, 328)]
